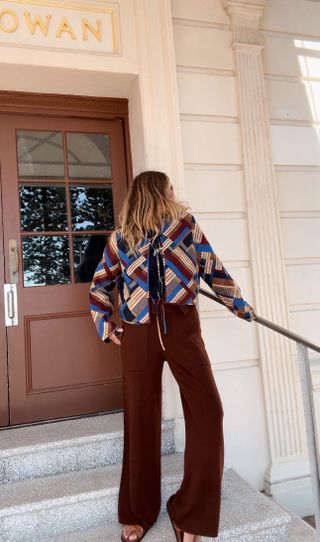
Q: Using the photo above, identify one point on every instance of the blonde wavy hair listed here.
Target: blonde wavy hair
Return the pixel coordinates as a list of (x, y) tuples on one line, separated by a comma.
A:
[(147, 204)]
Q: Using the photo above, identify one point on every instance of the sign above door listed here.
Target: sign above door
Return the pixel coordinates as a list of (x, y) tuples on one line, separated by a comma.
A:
[(91, 27)]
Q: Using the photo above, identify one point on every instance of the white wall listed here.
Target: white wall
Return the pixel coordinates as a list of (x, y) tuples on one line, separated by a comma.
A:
[(214, 176), (292, 75)]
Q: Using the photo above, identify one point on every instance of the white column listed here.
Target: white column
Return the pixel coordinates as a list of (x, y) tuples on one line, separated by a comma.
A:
[(155, 132), (287, 476), (157, 91)]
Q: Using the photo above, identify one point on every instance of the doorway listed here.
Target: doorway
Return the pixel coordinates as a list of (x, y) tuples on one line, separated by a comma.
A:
[(63, 180)]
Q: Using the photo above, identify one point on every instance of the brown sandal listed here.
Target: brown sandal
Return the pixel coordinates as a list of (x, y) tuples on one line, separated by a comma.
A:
[(178, 532), (133, 531)]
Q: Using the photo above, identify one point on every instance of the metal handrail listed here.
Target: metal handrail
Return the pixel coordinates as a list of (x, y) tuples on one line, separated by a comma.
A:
[(308, 402), (271, 325)]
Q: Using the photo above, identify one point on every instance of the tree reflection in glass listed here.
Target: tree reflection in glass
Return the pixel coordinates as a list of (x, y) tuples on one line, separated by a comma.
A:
[(46, 260), (92, 207), (43, 208)]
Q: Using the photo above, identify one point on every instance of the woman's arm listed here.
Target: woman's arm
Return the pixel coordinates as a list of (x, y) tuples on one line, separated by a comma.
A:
[(213, 272), (101, 294)]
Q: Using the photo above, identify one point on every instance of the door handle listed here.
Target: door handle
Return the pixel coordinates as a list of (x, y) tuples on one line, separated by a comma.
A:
[(10, 304), (13, 260)]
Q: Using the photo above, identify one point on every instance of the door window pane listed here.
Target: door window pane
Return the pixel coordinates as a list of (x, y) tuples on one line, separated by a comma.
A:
[(45, 260), (40, 154), (87, 253), (82, 201), (43, 208), (92, 207), (88, 156)]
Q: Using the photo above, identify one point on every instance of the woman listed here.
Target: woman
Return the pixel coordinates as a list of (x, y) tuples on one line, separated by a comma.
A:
[(157, 256)]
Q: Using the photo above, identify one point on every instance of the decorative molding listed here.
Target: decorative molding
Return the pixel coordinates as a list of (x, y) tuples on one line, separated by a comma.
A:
[(219, 215), (201, 70), (300, 168), (246, 35), (295, 307), (234, 264), (55, 104), (215, 25), (300, 214), (245, 18), (198, 23), (245, 12), (215, 314), (302, 261), (230, 365), (284, 77), (197, 166), (289, 35), (293, 122), (214, 119)]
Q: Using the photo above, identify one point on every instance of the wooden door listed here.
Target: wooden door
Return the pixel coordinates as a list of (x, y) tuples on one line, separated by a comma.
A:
[(62, 181)]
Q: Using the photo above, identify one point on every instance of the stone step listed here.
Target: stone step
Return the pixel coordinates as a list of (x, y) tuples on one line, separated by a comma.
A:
[(47, 508), (299, 531), (296, 531), (70, 445)]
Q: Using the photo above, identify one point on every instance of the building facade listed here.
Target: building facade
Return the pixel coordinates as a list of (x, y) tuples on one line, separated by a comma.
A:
[(223, 96)]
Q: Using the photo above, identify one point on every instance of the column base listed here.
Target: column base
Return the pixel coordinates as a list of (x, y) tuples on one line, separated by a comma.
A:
[(289, 484)]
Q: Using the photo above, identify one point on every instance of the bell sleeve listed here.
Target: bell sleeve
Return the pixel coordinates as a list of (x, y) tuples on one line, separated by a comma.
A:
[(101, 293), (214, 273)]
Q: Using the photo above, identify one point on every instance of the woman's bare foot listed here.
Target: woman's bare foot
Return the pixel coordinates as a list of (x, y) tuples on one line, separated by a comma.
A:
[(191, 537), (132, 532)]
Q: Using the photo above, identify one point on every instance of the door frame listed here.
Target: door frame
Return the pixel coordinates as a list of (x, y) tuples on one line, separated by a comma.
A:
[(45, 104)]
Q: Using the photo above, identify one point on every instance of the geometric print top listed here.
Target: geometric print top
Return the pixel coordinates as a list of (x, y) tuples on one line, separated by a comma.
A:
[(187, 257)]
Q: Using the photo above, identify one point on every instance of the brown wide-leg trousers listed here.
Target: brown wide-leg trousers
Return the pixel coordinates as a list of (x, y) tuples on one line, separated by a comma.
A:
[(196, 504)]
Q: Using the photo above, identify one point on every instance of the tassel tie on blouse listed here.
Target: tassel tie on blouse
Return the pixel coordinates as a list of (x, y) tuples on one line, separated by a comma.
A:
[(157, 283)]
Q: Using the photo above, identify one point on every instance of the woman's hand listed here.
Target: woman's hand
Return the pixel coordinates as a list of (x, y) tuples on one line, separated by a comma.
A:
[(113, 336), (253, 314)]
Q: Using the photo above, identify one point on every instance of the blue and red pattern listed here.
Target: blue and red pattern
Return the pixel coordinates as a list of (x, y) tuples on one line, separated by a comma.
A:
[(187, 256)]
